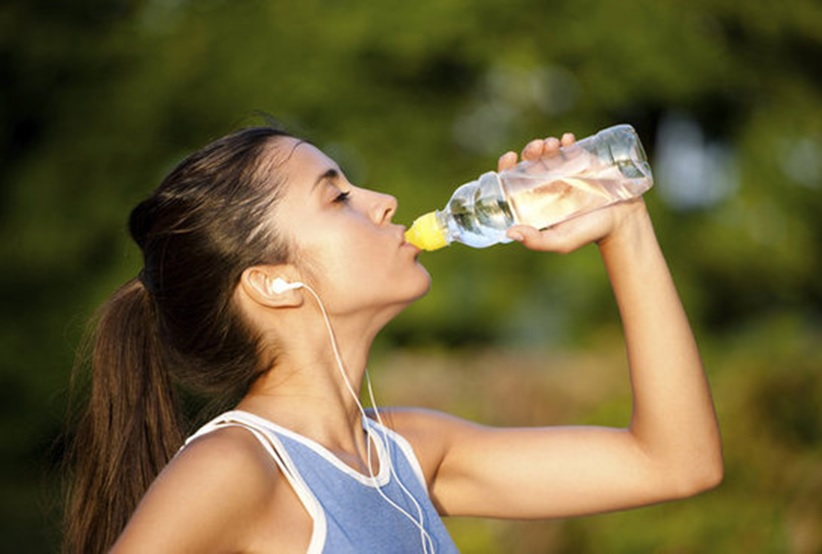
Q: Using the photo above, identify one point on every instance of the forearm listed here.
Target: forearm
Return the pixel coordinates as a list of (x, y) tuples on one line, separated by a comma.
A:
[(673, 420)]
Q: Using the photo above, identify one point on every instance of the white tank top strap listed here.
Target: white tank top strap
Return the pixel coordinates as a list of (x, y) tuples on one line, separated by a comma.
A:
[(256, 426)]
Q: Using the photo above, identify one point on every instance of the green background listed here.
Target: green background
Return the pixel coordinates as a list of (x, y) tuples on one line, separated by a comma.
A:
[(101, 98)]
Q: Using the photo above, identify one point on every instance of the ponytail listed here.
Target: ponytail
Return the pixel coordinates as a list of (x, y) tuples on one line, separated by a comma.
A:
[(130, 428), (178, 324)]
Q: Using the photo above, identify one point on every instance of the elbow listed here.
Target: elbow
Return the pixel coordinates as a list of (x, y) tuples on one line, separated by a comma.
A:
[(716, 474), (707, 479), (710, 468), (698, 477)]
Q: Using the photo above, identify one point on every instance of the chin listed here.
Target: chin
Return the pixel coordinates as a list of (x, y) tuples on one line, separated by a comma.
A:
[(411, 289), (425, 286), (420, 289)]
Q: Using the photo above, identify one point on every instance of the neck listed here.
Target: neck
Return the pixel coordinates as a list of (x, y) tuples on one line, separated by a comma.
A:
[(314, 386), (307, 392)]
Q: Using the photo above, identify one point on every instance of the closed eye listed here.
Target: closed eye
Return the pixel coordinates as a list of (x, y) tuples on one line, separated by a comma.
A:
[(343, 197)]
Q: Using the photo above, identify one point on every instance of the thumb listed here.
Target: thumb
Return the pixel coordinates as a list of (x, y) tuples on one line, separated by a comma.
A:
[(553, 239), (524, 234)]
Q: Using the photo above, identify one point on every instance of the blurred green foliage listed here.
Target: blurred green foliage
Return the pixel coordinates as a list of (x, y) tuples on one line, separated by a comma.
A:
[(101, 98)]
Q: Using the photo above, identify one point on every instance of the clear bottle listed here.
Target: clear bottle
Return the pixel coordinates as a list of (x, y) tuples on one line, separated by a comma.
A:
[(600, 170)]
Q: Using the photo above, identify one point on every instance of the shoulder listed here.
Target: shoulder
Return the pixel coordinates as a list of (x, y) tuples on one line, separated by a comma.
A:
[(230, 460), (231, 448), (431, 434), (421, 422), (210, 494)]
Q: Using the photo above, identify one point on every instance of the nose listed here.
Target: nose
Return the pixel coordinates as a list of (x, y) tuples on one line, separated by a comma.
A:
[(383, 208)]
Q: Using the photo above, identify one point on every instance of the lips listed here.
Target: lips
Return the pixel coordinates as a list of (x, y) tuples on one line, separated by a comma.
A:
[(401, 235), (404, 243)]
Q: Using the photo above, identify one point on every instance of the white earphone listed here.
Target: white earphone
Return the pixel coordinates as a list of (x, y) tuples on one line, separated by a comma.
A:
[(280, 285)]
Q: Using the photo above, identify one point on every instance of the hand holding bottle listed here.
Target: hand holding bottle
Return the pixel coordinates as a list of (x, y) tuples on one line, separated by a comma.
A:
[(597, 226), (556, 181)]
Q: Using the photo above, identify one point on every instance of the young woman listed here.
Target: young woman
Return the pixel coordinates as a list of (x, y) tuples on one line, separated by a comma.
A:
[(267, 275)]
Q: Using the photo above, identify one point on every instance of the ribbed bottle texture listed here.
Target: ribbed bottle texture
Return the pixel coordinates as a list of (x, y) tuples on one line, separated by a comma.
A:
[(592, 173)]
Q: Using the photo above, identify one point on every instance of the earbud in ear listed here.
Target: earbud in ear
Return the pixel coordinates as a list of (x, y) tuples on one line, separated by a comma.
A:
[(280, 285)]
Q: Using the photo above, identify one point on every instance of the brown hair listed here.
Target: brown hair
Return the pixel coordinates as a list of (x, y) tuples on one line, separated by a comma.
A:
[(175, 326)]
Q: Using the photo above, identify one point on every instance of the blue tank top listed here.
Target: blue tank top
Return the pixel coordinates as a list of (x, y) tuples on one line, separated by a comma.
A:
[(351, 512)]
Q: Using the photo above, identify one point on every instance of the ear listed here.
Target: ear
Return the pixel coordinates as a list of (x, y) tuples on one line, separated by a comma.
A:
[(257, 283)]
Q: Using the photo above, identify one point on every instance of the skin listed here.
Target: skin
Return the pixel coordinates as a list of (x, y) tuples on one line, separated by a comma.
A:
[(223, 493)]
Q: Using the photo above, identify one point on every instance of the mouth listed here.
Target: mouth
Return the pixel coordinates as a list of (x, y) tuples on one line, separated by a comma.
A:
[(416, 249), (405, 244)]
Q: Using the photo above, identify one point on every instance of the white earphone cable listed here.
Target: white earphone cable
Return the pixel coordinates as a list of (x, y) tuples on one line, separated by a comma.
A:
[(425, 538)]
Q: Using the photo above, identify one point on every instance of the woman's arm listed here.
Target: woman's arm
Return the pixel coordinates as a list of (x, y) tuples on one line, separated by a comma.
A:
[(671, 448)]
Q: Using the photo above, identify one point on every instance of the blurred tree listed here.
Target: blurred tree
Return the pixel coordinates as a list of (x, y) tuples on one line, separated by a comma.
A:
[(100, 98)]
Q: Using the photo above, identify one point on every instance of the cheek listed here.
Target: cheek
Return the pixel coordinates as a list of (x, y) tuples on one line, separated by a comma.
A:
[(357, 269), (356, 263), (338, 265)]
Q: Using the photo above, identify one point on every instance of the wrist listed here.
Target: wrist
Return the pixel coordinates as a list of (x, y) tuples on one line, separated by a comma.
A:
[(632, 227)]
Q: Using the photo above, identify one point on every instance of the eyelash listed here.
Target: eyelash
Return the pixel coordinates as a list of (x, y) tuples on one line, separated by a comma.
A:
[(343, 197)]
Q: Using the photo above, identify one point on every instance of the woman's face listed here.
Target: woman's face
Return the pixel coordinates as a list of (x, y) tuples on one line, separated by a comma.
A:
[(354, 256)]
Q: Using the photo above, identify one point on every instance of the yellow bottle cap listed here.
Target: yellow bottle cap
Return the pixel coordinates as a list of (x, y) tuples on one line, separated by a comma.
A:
[(426, 233)]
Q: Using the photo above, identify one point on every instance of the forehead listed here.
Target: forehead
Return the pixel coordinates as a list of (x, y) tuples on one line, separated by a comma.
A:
[(301, 166), (302, 163)]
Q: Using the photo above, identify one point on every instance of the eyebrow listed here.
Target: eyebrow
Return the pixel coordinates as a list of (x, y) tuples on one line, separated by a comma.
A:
[(331, 174)]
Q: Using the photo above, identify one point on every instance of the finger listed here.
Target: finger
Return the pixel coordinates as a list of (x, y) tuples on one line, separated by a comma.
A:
[(568, 139), (533, 150), (551, 146), (559, 239), (522, 233), (507, 161)]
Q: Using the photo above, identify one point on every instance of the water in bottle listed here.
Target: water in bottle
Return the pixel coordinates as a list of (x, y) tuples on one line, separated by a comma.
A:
[(595, 172)]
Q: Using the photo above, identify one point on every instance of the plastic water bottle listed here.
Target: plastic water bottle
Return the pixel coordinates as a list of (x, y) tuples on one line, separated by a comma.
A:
[(600, 170)]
